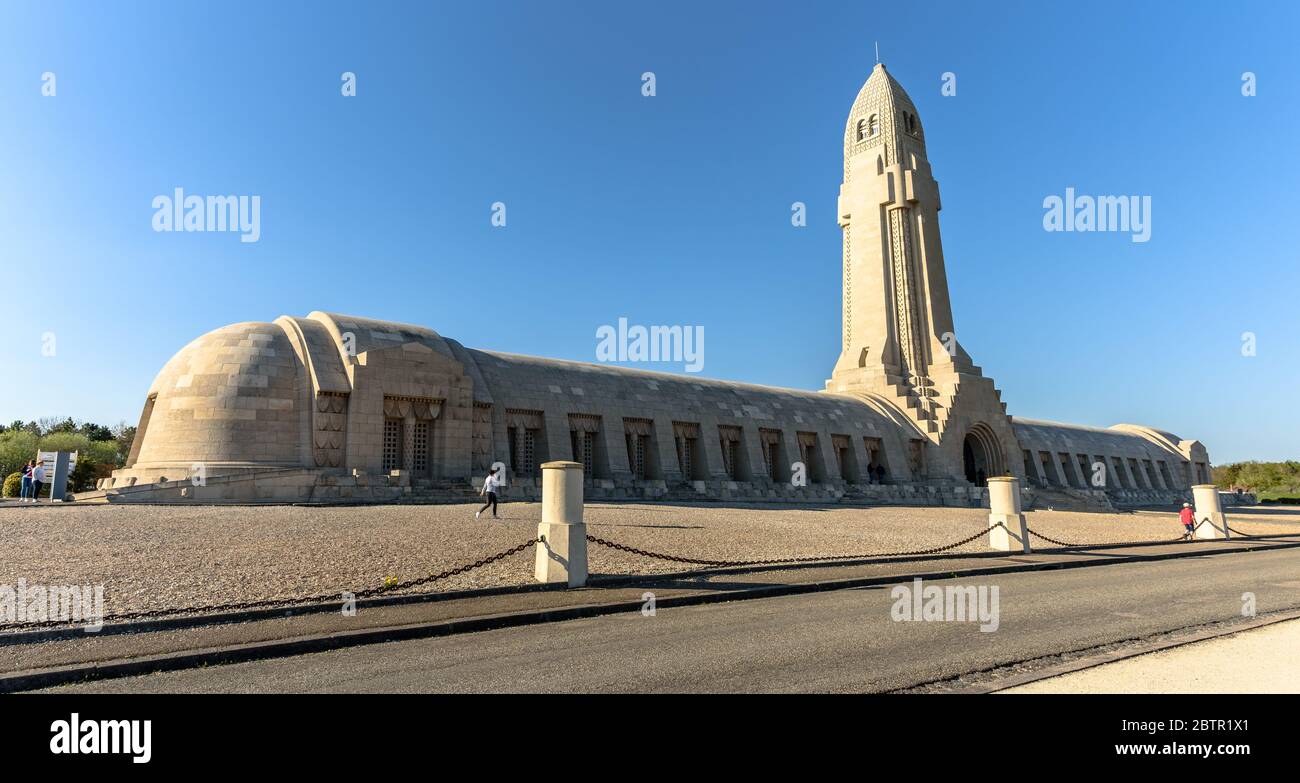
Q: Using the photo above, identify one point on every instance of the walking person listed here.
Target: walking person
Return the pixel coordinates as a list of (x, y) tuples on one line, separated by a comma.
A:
[(1188, 518), (26, 492), (38, 478), (490, 486)]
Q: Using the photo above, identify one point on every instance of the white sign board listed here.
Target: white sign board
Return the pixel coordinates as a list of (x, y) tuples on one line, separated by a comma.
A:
[(48, 458)]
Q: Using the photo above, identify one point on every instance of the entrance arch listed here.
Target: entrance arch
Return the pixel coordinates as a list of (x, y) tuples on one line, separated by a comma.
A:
[(981, 455)]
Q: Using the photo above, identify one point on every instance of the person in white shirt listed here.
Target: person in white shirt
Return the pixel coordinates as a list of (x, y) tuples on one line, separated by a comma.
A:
[(490, 486), (38, 478)]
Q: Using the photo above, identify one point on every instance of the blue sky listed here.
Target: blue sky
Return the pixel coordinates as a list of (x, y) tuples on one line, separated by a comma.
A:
[(672, 209)]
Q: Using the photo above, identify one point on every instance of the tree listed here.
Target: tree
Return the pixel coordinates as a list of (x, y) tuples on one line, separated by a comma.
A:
[(95, 431), (124, 434), (16, 447), (1270, 479), (50, 424), (98, 447)]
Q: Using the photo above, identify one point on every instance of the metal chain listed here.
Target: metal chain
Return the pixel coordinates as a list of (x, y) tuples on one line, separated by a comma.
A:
[(1051, 540), (779, 560), (335, 597), (1048, 539), (328, 597), (449, 573)]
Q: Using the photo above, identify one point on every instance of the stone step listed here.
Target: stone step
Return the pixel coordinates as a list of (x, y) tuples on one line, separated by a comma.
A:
[(1069, 499)]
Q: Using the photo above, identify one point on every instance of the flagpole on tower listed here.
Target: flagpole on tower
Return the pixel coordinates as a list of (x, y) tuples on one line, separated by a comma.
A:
[(877, 52)]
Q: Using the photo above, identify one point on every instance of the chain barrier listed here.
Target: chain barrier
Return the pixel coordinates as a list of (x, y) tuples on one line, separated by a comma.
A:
[(435, 577), (1237, 532), (1184, 537), (1070, 545), (781, 560), (334, 597), (449, 573)]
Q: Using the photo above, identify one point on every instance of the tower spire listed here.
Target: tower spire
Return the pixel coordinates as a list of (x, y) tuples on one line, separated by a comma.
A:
[(897, 318)]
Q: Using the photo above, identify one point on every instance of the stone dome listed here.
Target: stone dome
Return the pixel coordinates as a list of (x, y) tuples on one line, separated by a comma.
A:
[(235, 397)]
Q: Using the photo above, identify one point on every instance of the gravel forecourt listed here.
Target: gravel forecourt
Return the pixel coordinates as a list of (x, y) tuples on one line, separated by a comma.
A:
[(156, 557)]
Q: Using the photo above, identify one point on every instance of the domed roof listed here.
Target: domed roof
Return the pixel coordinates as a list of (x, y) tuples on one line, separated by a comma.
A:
[(235, 396), (883, 116)]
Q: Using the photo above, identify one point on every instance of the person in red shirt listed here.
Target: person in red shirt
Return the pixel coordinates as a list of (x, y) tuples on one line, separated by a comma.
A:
[(1188, 519)]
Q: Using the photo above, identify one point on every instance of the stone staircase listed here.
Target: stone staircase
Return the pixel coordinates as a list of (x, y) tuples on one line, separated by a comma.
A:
[(439, 491), (956, 495), (941, 398), (1069, 499), (931, 418), (683, 492)]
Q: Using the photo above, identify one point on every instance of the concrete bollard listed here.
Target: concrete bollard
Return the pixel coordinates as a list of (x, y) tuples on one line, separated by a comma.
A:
[(562, 554), (1206, 499), (1004, 507)]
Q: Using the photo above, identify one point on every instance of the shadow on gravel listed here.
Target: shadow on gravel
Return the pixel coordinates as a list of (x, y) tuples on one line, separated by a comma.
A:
[(656, 527)]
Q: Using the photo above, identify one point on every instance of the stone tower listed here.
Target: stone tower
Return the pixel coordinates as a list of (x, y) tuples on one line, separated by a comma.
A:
[(898, 339)]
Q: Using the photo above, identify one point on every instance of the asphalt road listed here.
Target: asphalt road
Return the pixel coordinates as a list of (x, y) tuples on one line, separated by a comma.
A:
[(837, 641)]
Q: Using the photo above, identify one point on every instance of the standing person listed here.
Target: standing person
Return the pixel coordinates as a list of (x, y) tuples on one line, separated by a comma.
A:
[(26, 492), (490, 485), (38, 478), (1188, 519)]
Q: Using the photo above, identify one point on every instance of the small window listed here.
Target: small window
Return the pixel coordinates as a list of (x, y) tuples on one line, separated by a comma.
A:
[(392, 444), (867, 128)]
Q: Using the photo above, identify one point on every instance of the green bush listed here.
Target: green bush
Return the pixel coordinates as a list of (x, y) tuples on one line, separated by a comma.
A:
[(1266, 479), (13, 485), (16, 447), (19, 446)]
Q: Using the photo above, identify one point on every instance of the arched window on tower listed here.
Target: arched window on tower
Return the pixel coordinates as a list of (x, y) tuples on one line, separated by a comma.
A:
[(867, 128)]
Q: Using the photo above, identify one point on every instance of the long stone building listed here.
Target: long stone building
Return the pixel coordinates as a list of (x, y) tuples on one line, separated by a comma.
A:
[(335, 407)]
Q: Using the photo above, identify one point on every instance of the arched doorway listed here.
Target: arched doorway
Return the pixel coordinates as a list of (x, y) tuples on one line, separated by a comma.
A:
[(981, 455)]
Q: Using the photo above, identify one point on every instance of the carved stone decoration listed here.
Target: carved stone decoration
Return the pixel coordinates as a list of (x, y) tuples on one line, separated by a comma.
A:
[(420, 407), (523, 420), (481, 455), (637, 426), (327, 429), (581, 422)]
